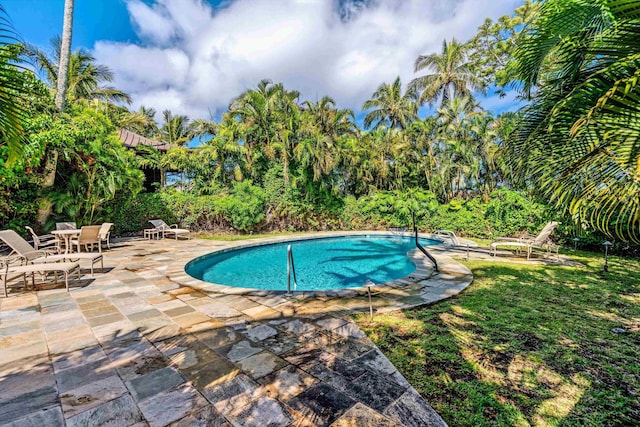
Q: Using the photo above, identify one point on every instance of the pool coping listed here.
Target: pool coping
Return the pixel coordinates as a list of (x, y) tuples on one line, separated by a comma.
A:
[(424, 269)]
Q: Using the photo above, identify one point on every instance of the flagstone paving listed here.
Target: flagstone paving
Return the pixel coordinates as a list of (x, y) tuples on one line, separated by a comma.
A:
[(145, 344)]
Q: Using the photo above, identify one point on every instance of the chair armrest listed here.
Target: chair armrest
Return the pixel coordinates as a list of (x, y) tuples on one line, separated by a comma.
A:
[(7, 261), (35, 254), (173, 226)]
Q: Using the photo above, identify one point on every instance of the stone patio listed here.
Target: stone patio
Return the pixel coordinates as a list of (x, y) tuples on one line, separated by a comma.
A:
[(145, 344)]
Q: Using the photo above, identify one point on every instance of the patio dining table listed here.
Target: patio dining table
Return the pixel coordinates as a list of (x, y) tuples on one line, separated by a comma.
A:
[(66, 235)]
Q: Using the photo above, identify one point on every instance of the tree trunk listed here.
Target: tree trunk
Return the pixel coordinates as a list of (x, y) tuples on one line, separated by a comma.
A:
[(65, 53), (44, 208)]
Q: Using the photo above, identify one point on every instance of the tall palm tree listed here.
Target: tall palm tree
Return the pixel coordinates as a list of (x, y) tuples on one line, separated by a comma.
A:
[(85, 78), (579, 142), (452, 75), (65, 53), (390, 107)]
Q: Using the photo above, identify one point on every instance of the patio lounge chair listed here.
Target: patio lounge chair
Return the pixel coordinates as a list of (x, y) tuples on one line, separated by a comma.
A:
[(33, 256), (172, 229), (105, 234), (42, 241), (89, 237), (14, 267), (541, 241)]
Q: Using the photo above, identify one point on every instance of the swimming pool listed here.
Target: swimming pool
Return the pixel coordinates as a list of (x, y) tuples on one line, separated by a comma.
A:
[(321, 264)]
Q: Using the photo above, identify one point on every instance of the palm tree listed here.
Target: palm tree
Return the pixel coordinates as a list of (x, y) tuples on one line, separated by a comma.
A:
[(65, 53), (141, 122), (12, 90), (579, 142), (390, 107), (85, 78), (452, 75), (176, 130)]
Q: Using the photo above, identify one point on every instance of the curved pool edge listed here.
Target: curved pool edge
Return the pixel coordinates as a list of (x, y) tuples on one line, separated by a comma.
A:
[(423, 286)]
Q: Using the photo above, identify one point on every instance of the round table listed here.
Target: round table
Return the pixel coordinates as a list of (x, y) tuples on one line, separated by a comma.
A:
[(66, 235)]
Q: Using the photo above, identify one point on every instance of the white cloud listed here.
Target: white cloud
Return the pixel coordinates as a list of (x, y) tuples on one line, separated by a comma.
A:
[(194, 58)]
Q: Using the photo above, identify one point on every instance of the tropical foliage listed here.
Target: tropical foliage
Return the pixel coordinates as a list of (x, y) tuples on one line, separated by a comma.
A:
[(277, 161), (578, 143)]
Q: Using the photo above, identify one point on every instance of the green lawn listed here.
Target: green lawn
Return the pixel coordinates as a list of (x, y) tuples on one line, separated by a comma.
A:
[(526, 345)]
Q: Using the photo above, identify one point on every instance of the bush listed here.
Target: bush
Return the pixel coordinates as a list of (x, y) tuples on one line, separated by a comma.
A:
[(244, 208)]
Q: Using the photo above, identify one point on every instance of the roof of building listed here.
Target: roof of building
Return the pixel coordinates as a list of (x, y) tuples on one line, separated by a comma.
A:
[(131, 140)]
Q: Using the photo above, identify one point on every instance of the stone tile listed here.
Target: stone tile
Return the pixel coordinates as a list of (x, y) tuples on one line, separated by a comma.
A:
[(119, 412), (261, 313), (233, 394), (91, 395), (376, 362), (261, 412), (361, 415), (178, 311), (261, 332), (190, 319), (100, 311), (345, 348), (217, 310), (32, 401), (51, 417), (297, 327), (169, 406), (33, 350), (175, 345), (321, 404), (78, 358), (154, 383), (216, 371), (286, 383), (104, 320), (143, 364), (143, 315), (375, 391), (412, 411), (239, 351), (195, 353), (349, 330), (71, 344), (20, 379), (72, 378), (261, 364), (205, 417), (218, 337), (330, 323)]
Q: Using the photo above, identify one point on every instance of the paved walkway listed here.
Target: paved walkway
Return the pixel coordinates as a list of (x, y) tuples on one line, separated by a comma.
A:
[(146, 344)]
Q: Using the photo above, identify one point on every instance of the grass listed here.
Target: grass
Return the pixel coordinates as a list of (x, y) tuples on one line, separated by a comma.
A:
[(526, 345)]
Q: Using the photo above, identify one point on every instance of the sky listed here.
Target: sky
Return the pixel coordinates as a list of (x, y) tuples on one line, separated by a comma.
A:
[(195, 56)]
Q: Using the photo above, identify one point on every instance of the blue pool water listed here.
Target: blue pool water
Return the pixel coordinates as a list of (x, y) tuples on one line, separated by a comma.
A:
[(321, 264)]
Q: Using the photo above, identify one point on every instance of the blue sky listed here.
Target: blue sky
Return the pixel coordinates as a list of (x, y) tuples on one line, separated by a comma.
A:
[(192, 58), (37, 21)]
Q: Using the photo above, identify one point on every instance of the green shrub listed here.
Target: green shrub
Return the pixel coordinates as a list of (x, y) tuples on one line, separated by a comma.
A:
[(244, 208)]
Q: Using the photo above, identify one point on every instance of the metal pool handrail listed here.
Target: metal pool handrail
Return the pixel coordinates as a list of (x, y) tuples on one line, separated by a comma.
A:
[(291, 267), (419, 246)]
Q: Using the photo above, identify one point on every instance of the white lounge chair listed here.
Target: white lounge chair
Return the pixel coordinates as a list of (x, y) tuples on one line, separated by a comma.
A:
[(33, 256), (172, 229), (14, 267), (541, 241)]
